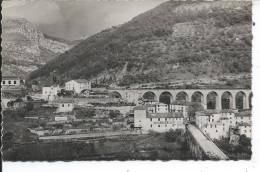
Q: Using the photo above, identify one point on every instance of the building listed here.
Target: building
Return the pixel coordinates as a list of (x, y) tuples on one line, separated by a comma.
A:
[(11, 81), (243, 117), (179, 106), (78, 85), (157, 108), (217, 124), (50, 93), (64, 105), (245, 129), (159, 122)]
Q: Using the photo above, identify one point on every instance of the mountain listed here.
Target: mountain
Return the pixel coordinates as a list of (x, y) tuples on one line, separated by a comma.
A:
[(24, 48), (190, 42)]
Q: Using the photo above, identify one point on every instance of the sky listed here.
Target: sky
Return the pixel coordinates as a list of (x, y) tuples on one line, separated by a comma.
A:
[(76, 19)]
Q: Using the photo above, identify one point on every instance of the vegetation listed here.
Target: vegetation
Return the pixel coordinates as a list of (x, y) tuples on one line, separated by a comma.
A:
[(172, 41), (242, 151)]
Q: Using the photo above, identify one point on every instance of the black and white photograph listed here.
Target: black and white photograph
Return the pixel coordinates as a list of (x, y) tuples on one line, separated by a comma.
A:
[(126, 80)]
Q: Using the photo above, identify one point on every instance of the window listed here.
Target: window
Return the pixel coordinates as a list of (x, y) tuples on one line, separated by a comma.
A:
[(158, 125), (68, 105), (151, 119), (245, 131), (151, 126), (14, 82), (165, 125), (62, 105), (9, 82), (3, 82), (158, 119), (216, 131)]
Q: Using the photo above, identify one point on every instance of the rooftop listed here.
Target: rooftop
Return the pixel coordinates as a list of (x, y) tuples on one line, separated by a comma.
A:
[(214, 111), (244, 113), (10, 78), (244, 124), (81, 80), (165, 115)]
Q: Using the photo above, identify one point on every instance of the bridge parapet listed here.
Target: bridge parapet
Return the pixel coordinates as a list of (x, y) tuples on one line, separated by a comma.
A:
[(201, 146)]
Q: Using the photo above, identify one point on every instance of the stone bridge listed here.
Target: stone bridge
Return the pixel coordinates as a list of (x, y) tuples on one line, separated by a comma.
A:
[(201, 146), (191, 95)]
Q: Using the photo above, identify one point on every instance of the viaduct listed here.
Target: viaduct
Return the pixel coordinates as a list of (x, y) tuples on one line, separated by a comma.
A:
[(204, 96)]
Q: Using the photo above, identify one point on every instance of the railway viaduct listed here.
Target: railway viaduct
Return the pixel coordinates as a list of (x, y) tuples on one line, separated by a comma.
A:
[(190, 95)]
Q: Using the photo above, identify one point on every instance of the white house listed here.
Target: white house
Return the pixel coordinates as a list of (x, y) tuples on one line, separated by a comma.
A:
[(159, 122), (245, 129), (11, 81), (64, 105), (50, 93), (180, 107), (78, 85), (243, 117)]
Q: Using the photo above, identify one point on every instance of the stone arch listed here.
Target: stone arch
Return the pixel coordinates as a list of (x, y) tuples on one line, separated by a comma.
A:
[(240, 100), (116, 94), (197, 97), (212, 100), (149, 95), (166, 97), (182, 96), (250, 98), (227, 100)]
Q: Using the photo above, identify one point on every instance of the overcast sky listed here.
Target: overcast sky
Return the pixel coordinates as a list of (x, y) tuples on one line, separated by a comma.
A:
[(74, 19)]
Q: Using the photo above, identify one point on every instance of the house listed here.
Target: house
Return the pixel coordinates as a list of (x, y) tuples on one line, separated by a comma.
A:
[(50, 93), (243, 117), (78, 85), (217, 124), (159, 122), (11, 81), (245, 129), (179, 106), (63, 105)]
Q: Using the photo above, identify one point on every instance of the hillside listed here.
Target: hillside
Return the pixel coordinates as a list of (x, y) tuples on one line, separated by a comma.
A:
[(197, 42), (24, 48)]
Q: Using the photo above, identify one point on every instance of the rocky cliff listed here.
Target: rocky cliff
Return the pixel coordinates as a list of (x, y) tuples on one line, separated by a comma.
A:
[(24, 48)]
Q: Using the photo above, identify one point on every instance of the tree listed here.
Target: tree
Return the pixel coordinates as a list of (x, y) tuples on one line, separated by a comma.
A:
[(114, 114)]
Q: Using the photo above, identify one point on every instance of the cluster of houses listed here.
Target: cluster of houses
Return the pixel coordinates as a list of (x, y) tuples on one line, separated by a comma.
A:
[(220, 124), (160, 117), (148, 115)]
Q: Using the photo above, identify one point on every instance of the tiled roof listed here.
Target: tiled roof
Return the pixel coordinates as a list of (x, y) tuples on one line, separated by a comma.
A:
[(214, 111), (165, 115), (81, 80), (140, 108), (10, 78), (243, 124), (244, 113)]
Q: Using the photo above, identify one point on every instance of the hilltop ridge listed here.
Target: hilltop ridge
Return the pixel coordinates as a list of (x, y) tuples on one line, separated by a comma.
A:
[(176, 41)]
